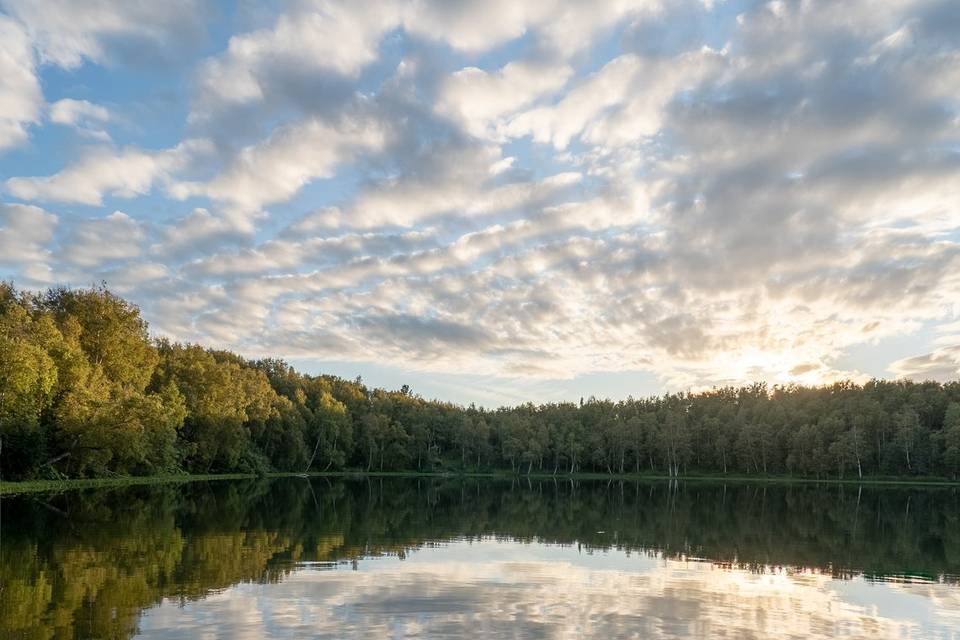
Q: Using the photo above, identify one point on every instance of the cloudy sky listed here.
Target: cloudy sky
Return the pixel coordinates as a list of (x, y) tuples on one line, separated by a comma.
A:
[(496, 201)]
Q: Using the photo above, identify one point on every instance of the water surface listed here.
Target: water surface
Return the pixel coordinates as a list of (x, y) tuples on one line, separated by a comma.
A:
[(396, 558)]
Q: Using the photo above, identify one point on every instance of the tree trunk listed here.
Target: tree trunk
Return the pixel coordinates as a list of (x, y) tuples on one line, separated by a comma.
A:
[(57, 458)]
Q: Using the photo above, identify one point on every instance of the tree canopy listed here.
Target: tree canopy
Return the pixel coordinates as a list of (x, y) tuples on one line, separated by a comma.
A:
[(86, 391)]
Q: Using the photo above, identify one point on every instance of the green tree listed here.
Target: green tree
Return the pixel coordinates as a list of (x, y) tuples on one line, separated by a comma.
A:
[(222, 396), (907, 436), (28, 379), (950, 440)]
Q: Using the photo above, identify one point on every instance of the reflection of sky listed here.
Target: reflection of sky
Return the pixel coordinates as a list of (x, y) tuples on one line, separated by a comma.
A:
[(511, 589)]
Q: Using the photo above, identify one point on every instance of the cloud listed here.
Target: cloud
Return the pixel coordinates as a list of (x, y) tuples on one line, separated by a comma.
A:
[(124, 173), (95, 241), (730, 219), (430, 337), (86, 117), (560, 28), (310, 53), (711, 194), (510, 588), (455, 179), (197, 232), (77, 112), (286, 61), (277, 168), (477, 98), (942, 365), (20, 95), (66, 32), (623, 101), (25, 232), (135, 276), (317, 39)]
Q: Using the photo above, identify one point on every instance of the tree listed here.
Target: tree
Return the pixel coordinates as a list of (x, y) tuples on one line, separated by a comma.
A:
[(221, 397), (330, 430), (102, 415), (111, 333), (950, 440), (28, 378), (907, 427)]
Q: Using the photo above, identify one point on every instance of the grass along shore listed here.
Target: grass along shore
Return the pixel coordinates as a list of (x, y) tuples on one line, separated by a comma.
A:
[(36, 486)]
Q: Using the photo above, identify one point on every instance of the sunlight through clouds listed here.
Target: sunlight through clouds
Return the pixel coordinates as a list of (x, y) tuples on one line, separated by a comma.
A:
[(705, 192)]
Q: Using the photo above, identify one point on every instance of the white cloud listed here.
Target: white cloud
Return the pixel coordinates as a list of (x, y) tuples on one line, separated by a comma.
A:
[(133, 276), (104, 171), (560, 123), (453, 181), (197, 232), (77, 112), (655, 83), (478, 98), (25, 232), (128, 172), (321, 37), (562, 28), (942, 365), (473, 26), (604, 193), (66, 32), (331, 37), (277, 168), (84, 116), (623, 101), (95, 241), (20, 95)]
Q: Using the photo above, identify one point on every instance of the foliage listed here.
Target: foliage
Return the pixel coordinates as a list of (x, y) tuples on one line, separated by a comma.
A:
[(85, 391)]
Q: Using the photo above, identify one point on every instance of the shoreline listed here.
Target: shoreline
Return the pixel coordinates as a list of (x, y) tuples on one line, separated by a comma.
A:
[(10, 488)]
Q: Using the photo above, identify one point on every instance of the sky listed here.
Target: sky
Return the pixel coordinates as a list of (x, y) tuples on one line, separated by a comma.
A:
[(499, 202)]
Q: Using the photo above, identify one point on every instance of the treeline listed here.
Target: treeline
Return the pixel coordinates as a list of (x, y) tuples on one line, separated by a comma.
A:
[(85, 391)]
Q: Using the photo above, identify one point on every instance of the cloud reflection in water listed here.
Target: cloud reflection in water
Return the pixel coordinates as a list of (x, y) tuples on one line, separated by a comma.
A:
[(506, 589)]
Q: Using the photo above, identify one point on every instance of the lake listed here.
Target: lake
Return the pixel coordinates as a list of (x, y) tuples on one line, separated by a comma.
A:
[(454, 558)]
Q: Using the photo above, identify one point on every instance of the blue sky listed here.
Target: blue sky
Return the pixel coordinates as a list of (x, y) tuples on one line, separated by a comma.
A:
[(497, 202)]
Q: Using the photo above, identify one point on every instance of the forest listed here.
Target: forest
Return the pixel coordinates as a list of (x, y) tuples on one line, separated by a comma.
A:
[(86, 391)]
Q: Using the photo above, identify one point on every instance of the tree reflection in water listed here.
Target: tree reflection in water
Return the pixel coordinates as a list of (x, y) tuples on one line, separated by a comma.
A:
[(86, 564)]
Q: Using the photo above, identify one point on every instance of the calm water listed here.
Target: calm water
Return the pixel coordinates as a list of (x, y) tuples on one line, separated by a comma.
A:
[(382, 558)]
